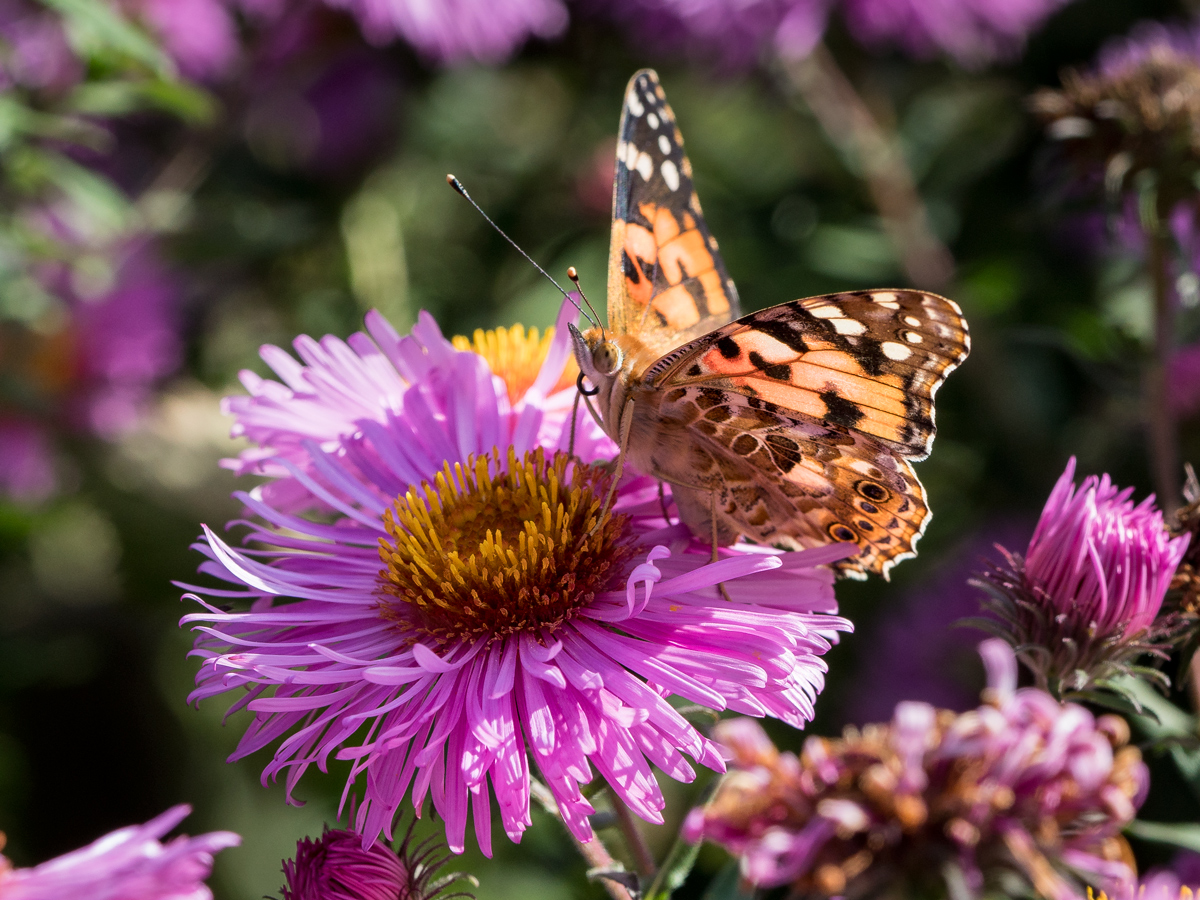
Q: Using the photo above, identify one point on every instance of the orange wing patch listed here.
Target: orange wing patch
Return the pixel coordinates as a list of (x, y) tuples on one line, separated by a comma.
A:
[(667, 282)]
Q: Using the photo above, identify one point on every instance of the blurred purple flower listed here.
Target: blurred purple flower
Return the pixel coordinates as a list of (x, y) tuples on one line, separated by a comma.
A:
[(445, 669), (455, 31), (1022, 783), (1183, 381), (38, 56), (738, 32), (200, 35), (913, 650), (127, 864), (1085, 601), (26, 461), (126, 339), (972, 32), (1144, 40), (336, 866)]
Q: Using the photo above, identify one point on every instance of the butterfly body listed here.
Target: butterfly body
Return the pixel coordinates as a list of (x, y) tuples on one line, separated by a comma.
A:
[(793, 426)]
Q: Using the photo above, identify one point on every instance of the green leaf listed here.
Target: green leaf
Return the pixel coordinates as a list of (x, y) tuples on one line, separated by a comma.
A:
[(96, 197), (95, 29), (119, 97), (1177, 834), (1116, 701), (728, 885), (1168, 722)]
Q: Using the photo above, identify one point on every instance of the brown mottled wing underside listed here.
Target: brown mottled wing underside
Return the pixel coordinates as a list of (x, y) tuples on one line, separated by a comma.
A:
[(804, 417), (667, 283), (791, 481)]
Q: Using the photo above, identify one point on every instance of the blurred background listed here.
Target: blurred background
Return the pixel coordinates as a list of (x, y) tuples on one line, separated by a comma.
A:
[(182, 181)]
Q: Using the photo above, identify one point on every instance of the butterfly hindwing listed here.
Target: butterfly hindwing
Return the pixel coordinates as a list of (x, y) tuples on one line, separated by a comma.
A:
[(790, 480), (870, 361), (667, 281)]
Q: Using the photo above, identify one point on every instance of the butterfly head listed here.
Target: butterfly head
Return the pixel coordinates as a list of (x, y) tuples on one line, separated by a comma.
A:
[(600, 359)]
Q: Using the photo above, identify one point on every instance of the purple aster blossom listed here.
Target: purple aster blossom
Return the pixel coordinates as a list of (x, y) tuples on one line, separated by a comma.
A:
[(1022, 785), (128, 864), (1084, 602), (445, 694), (457, 31), (971, 32), (336, 866), (26, 461), (1101, 560)]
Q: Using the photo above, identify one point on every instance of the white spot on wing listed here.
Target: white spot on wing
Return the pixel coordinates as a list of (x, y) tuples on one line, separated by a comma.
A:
[(634, 103), (848, 326), (664, 145), (645, 165), (894, 351), (826, 312), (913, 321), (631, 154), (913, 338), (670, 175), (652, 119)]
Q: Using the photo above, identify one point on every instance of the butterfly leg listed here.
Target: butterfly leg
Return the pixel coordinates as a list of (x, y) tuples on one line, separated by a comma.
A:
[(619, 465), (662, 501), (574, 420)]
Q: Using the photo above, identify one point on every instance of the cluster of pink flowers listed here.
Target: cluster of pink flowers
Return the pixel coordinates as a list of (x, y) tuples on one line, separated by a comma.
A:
[(1022, 783)]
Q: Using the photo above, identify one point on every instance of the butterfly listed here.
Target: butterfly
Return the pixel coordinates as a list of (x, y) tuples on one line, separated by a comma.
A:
[(795, 426)]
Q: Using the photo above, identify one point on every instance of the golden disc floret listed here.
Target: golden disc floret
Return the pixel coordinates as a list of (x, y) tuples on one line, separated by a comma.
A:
[(490, 549)]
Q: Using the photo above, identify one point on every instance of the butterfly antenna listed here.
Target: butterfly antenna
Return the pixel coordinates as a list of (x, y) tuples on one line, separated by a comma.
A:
[(573, 274), (458, 186)]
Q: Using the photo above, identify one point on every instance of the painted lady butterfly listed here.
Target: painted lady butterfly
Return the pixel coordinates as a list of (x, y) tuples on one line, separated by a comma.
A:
[(794, 426)]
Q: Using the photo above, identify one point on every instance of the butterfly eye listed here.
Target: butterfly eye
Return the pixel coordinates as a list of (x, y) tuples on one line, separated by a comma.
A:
[(840, 532), (606, 358)]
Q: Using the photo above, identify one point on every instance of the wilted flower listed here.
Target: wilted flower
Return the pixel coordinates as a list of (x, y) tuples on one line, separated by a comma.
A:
[(1136, 114), (458, 603), (127, 864), (1084, 602), (336, 866), (1023, 785)]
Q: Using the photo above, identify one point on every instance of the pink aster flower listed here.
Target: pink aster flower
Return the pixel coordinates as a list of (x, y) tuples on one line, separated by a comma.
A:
[(468, 611), (1023, 785), (1085, 600), (336, 866), (128, 864)]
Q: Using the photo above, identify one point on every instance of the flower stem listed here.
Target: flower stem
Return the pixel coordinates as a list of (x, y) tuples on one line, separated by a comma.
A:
[(874, 153), (1162, 431), (593, 851), (643, 859)]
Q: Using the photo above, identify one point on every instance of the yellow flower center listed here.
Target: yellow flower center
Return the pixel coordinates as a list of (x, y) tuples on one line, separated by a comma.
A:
[(516, 356), (494, 549)]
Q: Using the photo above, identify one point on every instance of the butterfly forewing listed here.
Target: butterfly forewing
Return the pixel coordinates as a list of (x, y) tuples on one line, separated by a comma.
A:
[(870, 360), (667, 281)]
